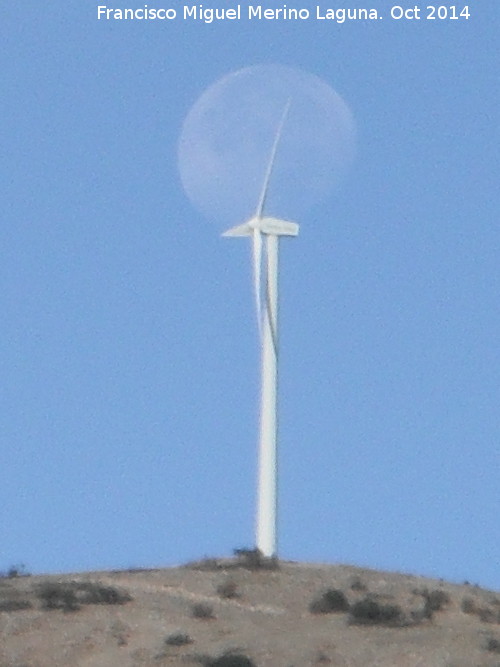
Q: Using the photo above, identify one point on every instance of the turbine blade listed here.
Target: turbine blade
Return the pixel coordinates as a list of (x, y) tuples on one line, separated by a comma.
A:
[(239, 230), (272, 157), (257, 271)]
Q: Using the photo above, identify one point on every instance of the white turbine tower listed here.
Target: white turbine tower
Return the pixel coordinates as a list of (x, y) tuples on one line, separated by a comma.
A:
[(266, 293)]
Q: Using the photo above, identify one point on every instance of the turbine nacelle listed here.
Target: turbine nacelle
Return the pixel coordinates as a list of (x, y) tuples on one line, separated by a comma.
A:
[(265, 225)]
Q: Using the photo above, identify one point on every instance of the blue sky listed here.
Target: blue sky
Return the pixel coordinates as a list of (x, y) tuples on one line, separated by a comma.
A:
[(128, 346)]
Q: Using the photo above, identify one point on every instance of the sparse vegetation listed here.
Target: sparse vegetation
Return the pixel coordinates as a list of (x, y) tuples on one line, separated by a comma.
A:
[(388, 610), (228, 589), (206, 564), (468, 606), (135, 570), (493, 645), (485, 614), (69, 596), (231, 660), (15, 605), (370, 612), (89, 592), (121, 632), (202, 610), (249, 559), (358, 585), (178, 639), (435, 600), (15, 571), (322, 658), (254, 559), (331, 601), (57, 596)]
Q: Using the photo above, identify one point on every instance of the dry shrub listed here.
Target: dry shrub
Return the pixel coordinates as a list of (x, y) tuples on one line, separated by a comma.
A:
[(331, 601), (485, 614), (92, 593), (468, 606), (178, 639), (435, 600), (493, 645), (15, 605), (55, 595), (371, 612), (228, 589), (202, 610), (69, 596), (15, 571), (254, 559), (232, 660), (358, 585)]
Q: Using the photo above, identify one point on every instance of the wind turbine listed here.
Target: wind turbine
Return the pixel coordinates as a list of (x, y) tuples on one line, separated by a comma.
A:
[(263, 228)]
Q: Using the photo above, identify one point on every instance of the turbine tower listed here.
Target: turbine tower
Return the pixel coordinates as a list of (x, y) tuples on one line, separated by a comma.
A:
[(265, 232)]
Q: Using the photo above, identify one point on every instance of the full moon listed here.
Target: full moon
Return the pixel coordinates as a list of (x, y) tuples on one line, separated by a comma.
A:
[(227, 137)]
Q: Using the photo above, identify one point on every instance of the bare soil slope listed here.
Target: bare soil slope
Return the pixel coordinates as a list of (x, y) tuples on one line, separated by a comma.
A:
[(244, 612)]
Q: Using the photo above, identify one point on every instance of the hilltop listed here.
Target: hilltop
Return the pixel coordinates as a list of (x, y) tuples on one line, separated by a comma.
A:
[(243, 612)]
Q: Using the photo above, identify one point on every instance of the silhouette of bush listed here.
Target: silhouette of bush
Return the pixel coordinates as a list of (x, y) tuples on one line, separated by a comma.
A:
[(71, 595), (15, 571), (135, 570), (202, 610), (57, 596), (358, 585), (493, 645), (331, 601), (435, 600), (371, 612), (254, 559), (485, 614), (178, 639), (468, 606), (15, 605), (91, 593), (231, 660), (228, 589)]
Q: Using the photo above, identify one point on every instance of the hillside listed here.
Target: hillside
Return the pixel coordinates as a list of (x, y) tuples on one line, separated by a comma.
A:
[(243, 612)]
